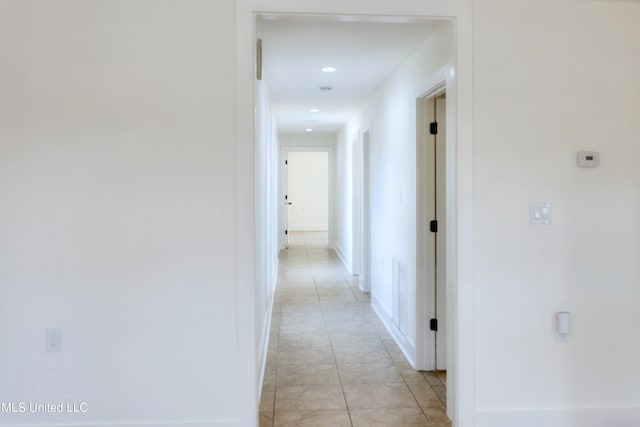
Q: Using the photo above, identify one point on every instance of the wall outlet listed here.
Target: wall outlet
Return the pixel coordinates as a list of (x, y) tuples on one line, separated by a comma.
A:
[(53, 340)]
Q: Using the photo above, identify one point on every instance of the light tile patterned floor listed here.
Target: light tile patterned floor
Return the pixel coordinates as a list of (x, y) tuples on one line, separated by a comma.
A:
[(331, 363)]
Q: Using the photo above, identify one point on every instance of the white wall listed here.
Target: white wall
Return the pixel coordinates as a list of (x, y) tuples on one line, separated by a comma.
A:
[(391, 115), (308, 191), (553, 78), (119, 188), (117, 210), (266, 221)]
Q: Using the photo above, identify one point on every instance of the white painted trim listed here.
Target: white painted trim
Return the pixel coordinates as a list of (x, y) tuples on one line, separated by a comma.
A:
[(425, 280), (439, 82), (461, 305), (625, 416), (266, 332), (247, 406), (356, 203), (406, 345)]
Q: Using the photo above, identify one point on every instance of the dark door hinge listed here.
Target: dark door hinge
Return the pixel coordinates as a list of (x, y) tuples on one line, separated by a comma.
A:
[(286, 231), (433, 128), (286, 162), (433, 324), (433, 226)]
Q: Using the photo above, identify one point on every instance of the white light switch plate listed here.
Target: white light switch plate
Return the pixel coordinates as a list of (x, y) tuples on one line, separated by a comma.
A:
[(540, 213)]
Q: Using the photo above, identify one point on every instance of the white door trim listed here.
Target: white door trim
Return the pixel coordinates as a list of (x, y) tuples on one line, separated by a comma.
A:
[(365, 210), (461, 301), (284, 151)]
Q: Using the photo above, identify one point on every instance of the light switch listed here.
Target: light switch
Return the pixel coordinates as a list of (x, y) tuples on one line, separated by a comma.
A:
[(540, 213), (562, 326)]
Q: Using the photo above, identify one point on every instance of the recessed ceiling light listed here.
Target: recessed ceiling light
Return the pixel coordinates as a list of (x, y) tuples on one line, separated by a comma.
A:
[(314, 110), (308, 130), (328, 69)]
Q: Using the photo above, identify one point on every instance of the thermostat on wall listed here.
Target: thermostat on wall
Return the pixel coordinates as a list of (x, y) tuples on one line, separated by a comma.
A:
[(588, 159)]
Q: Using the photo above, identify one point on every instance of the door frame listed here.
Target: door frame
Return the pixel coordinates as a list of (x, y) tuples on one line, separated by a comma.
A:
[(425, 239), (442, 81), (461, 401), (361, 215), (283, 187)]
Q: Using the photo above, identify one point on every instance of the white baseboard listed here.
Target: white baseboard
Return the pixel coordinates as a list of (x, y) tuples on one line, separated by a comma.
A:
[(627, 416), (405, 343), (263, 350)]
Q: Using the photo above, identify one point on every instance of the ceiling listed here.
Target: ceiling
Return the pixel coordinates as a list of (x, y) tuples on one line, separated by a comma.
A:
[(364, 51)]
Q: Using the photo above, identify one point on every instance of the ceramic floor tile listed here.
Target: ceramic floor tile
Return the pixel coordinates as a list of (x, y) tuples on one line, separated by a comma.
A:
[(437, 415), (308, 398), (432, 378), (301, 308), (298, 299), (346, 340), (313, 419), (267, 399), (302, 328), (408, 373), (375, 396), (369, 373), (402, 417), (361, 354), (266, 419), (441, 391), (297, 340), (326, 344), (286, 286), (316, 374), (424, 394), (297, 291), (305, 356), (300, 317)]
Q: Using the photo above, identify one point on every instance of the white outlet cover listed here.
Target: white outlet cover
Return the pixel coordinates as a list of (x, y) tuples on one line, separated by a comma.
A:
[(540, 213), (53, 340), (588, 159)]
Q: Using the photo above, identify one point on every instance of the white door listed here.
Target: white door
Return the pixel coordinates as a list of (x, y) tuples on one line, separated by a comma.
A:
[(365, 223), (356, 182), (286, 202)]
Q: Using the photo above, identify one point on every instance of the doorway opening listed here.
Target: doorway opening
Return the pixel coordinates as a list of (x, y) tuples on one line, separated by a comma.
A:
[(374, 189), (306, 195), (307, 199)]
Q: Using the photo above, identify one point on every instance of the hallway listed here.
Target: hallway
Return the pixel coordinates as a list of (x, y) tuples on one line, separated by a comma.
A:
[(331, 362)]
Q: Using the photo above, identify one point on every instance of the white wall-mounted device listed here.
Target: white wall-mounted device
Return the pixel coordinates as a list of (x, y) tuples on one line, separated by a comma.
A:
[(562, 326), (588, 159), (540, 213)]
